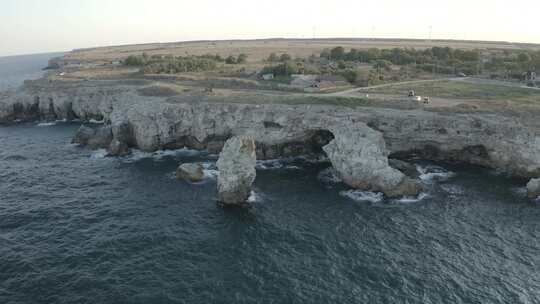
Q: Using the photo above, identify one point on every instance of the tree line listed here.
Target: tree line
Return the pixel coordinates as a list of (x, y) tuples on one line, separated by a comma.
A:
[(168, 64)]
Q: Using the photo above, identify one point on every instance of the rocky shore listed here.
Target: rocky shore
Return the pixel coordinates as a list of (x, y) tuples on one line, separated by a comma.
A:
[(357, 141)]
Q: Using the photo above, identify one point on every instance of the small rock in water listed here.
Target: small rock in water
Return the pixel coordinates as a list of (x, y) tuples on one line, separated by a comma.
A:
[(533, 188), (191, 172)]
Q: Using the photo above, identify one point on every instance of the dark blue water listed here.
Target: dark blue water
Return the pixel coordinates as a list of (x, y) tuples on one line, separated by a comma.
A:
[(15, 69), (76, 227)]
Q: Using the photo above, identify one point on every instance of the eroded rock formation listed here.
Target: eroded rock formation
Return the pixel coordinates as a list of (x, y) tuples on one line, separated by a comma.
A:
[(236, 165), (359, 155), (510, 142), (100, 137), (118, 148)]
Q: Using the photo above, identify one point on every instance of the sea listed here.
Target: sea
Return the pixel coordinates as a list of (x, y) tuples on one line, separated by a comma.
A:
[(79, 227)]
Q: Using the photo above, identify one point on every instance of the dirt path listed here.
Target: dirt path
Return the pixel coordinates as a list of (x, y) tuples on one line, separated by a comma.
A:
[(355, 90)]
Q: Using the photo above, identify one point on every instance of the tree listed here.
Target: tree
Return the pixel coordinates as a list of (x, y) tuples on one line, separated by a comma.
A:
[(352, 55), (325, 54), (230, 60), (285, 57), (350, 75), (524, 57), (337, 53), (242, 58), (382, 64), (134, 61), (273, 58)]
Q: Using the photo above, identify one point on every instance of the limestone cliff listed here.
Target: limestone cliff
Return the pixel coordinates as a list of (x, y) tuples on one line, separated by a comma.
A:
[(511, 143)]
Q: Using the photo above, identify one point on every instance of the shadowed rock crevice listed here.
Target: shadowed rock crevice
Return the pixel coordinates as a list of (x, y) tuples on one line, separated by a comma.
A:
[(309, 144), (474, 154)]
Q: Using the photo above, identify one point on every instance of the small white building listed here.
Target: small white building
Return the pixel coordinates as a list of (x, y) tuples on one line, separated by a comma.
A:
[(268, 76)]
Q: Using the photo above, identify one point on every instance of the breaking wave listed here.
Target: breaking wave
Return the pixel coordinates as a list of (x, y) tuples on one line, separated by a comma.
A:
[(430, 173), (99, 154), (329, 176), (363, 196), (412, 199)]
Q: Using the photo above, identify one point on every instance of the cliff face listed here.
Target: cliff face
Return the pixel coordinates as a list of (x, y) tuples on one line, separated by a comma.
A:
[(151, 123)]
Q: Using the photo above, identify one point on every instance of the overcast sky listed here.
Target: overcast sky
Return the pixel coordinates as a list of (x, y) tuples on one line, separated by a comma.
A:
[(35, 26)]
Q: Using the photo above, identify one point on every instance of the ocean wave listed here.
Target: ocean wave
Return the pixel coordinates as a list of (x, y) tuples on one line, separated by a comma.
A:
[(46, 124), (363, 196), (411, 199), (329, 176), (269, 164), (15, 158), (210, 170), (430, 174), (453, 189), (282, 163), (51, 123), (519, 191), (99, 154), (94, 121), (254, 197), (159, 155)]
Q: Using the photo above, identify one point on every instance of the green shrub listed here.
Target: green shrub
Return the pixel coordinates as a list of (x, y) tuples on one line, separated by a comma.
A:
[(242, 58)]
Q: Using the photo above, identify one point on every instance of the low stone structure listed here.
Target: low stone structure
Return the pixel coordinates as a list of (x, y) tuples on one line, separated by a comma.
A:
[(236, 165)]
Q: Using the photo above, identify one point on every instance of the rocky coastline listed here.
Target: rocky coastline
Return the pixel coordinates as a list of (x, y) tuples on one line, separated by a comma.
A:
[(357, 140)]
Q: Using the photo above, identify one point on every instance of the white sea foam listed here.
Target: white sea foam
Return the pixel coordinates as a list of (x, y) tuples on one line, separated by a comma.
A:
[(430, 174), (46, 124), (211, 174), (272, 164), (363, 196), (98, 154), (453, 189), (254, 197), (520, 191), (329, 176), (411, 199), (96, 121), (159, 155), (269, 164)]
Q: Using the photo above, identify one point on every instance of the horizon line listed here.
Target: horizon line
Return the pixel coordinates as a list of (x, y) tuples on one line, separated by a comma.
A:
[(277, 38)]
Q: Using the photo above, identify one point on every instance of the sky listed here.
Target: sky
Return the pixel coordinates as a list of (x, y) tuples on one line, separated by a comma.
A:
[(39, 26)]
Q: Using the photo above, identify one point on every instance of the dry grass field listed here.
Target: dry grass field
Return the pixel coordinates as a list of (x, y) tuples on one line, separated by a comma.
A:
[(258, 50)]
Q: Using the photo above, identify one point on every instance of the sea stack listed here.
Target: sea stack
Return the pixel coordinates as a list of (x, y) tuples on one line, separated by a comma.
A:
[(359, 155), (236, 165)]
